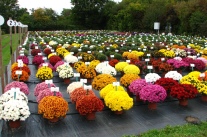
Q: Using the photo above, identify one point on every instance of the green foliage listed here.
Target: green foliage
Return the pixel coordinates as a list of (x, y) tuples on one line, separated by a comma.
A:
[(196, 20), (187, 130), (74, 49), (101, 56), (117, 56)]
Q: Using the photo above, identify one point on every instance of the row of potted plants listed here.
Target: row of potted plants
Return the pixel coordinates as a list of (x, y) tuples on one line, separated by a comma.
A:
[(14, 104)]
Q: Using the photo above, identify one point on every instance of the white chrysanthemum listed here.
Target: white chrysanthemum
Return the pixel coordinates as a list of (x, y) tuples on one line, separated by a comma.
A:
[(15, 110), (109, 70), (66, 73), (152, 77), (71, 59), (52, 43), (71, 87), (14, 94), (174, 75), (63, 66)]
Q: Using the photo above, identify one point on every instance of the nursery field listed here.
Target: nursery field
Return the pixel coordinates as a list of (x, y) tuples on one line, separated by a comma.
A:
[(102, 83)]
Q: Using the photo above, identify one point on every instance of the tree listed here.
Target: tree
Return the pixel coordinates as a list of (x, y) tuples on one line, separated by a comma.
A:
[(87, 14), (7, 10), (44, 19), (197, 19)]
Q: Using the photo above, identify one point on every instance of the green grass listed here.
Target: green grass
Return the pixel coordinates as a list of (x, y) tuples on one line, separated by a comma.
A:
[(6, 46), (187, 130)]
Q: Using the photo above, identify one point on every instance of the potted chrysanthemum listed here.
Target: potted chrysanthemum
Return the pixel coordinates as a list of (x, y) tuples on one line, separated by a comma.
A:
[(78, 93), (153, 94), (72, 86), (174, 75), (167, 84), (44, 73), (53, 108), (136, 86), (183, 92), (102, 80), (88, 105), (152, 77), (14, 107), (105, 68), (118, 101), (131, 69), (41, 86), (127, 79), (120, 66), (54, 59), (16, 84), (104, 91), (66, 72), (47, 92), (37, 60)]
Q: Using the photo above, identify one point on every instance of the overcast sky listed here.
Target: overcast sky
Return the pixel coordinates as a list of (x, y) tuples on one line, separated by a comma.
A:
[(56, 5)]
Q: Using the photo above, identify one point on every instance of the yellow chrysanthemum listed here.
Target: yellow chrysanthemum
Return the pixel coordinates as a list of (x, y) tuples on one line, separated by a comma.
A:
[(118, 100), (109, 88)]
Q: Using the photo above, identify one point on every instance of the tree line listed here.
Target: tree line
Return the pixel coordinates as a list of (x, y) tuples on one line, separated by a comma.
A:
[(176, 16)]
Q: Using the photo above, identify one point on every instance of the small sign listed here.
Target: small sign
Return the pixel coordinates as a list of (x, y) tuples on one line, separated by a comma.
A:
[(52, 89), (147, 60), (22, 54), (144, 49), (79, 57), (116, 83), (87, 63), (1, 20), (76, 74), (20, 64), (57, 89), (48, 81), (100, 51), (10, 23), (18, 72), (79, 49), (19, 24), (39, 54), (128, 61), (45, 64), (156, 25), (112, 56), (116, 50), (83, 80), (89, 52), (148, 55), (71, 53), (192, 65), (89, 87), (149, 67), (202, 75), (15, 23), (44, 58), (162, 59)]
